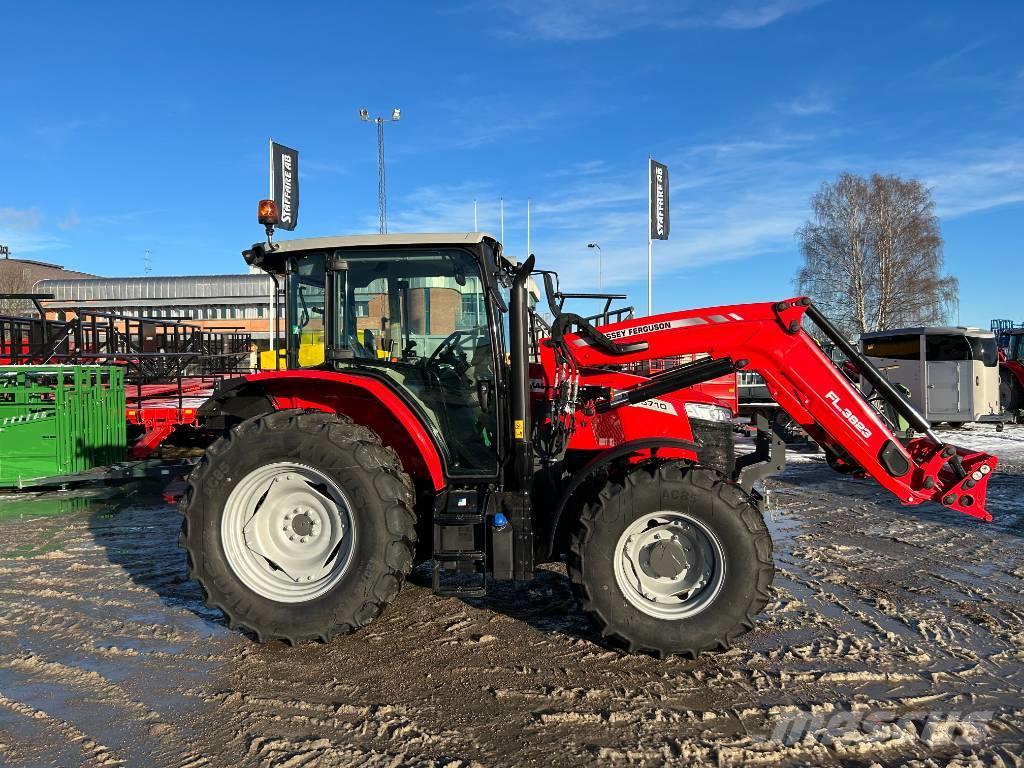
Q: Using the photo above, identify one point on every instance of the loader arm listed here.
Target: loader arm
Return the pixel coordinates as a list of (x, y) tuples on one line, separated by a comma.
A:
[(769, 338)]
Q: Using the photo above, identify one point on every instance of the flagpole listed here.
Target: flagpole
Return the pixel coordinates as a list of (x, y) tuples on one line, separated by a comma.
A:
[(272, 330), (527, 255), (502, 202), (650, 252), (475, 226)]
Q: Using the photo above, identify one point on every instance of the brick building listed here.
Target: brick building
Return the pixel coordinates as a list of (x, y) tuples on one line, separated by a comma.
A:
[(238, 302)]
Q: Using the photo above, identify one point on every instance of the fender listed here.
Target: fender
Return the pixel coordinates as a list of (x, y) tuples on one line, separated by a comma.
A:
[(602, 460), (364, 399), (1015, 369)]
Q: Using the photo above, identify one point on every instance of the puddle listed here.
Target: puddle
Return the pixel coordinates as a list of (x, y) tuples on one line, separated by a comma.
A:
[(33, 525), (46, 506)]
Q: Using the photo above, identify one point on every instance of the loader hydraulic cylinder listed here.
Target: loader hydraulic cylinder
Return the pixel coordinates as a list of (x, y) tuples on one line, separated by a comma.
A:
[(670, 381), (869, 372)]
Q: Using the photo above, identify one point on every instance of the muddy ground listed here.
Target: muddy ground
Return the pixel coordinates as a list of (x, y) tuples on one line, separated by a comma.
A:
[(894, 637)]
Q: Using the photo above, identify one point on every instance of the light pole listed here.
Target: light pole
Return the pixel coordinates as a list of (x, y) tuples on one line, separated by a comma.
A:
[(595, 245), (382, 190)]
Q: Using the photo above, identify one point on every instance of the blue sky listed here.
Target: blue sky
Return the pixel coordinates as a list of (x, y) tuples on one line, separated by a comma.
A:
[(144, 126)]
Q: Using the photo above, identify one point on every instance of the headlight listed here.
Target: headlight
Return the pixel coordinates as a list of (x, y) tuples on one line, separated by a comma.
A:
[(708, 412)]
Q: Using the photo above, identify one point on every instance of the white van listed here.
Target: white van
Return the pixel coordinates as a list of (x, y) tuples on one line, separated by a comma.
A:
[(952, 373)]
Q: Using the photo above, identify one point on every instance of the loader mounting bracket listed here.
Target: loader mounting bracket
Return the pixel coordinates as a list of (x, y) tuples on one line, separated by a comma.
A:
[(767, 459)]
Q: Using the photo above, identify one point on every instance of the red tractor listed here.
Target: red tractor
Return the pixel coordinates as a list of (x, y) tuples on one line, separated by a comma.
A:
[(1011, 372), (425, 412)]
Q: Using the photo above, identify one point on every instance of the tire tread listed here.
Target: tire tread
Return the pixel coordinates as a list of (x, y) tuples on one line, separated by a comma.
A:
[(699, 477), (390, 482)]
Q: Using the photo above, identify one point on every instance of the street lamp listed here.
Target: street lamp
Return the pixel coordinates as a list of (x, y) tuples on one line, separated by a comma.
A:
[(595, 245), (382, 192)]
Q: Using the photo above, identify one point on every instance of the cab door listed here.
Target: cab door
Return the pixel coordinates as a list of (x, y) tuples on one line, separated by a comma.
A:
[(420, 318)]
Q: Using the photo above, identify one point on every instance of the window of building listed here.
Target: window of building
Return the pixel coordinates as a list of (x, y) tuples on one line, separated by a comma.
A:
[(472, 311)]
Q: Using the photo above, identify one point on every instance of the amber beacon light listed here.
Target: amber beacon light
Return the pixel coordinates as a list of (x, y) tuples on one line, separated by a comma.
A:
[(267, 212)]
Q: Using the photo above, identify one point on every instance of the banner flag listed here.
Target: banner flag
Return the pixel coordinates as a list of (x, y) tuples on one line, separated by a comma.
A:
[(284, 184), (659, 201)]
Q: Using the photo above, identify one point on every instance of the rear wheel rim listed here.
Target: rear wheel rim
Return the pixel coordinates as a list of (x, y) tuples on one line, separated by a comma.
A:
[(669, 565), (288, 532)]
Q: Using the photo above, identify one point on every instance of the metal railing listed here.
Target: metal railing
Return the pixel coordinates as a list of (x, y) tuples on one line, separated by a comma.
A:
[(152, 351)]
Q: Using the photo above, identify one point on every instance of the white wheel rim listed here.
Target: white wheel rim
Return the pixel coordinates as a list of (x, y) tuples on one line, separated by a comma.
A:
[(669, 565), (287, 532)]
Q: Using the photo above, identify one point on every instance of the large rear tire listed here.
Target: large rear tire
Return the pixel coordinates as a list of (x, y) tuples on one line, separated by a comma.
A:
[(299, 526), (672, 559)]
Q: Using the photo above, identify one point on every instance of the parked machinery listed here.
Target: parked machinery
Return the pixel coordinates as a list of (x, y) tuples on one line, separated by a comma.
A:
[(1011, 373), (951, 374), (302, 521)]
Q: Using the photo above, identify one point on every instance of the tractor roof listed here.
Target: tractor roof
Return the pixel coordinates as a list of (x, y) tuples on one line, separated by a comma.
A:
[(273, 259), (959, 330), (368, 241)]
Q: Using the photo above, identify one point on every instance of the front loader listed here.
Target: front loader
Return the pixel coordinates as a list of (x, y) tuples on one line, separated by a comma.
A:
[(425, 409)]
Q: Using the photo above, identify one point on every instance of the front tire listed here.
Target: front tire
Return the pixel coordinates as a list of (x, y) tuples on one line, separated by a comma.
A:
[(672, 559), (299, 526)]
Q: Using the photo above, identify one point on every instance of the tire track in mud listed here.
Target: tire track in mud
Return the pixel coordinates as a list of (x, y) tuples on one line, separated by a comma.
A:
[(91, 752), (94, 644)]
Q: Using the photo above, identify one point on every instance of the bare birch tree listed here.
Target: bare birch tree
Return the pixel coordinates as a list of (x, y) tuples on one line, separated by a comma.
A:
[(14, 279), (873, 255)]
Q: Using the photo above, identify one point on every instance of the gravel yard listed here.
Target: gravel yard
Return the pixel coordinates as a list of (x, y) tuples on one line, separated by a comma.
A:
[(895, 636)]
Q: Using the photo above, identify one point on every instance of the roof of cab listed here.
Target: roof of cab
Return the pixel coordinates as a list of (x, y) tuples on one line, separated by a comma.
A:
[(370, 241), (929, 331)]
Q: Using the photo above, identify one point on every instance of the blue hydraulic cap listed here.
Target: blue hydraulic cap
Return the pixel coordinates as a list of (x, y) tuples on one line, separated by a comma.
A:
[(499, 520)]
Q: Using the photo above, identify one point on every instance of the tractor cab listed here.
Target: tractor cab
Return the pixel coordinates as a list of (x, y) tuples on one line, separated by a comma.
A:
[(1011, 373), (1015, 347), (416, 312)]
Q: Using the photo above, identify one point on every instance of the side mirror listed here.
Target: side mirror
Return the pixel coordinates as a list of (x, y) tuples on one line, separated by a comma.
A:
[(483, 394)]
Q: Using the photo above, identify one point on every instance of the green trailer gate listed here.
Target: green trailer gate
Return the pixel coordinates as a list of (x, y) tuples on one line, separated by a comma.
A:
[(59, 420)]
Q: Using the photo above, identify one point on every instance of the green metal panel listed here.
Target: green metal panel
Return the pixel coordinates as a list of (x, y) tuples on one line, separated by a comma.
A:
[(58, 420)]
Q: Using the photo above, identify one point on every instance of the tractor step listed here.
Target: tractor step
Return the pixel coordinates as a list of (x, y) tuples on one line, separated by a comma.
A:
[(474, 556), (460, 556)]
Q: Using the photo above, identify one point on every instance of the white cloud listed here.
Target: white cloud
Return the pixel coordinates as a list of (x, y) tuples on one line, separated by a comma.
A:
[(70, 221), (20, 220), (315, 168), (59, 133), (752, 15), (974, 180), (733, 200), (563, 20), (440, 209), (809, 104), (22, 231)]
